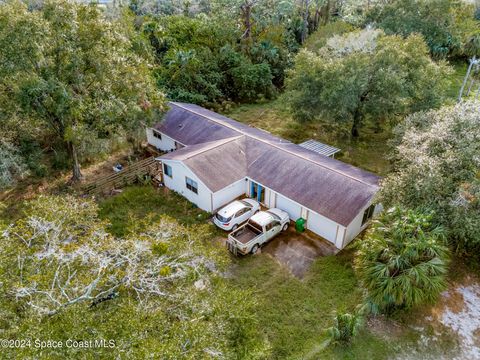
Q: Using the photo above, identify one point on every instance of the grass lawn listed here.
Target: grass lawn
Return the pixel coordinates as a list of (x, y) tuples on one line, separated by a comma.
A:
[(456, 80), (146, 203), (292, 314), (368, 151)]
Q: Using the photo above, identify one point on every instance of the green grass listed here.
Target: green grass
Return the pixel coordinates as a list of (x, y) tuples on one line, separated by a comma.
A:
[(456, 79), (138, 203), (294, 313), (367, 152)]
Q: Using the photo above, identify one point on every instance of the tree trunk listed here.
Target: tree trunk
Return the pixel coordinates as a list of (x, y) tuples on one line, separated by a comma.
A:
[(247, 18), (327, 11), (76, 174), (316, 17), (356, 123), (305, 22)]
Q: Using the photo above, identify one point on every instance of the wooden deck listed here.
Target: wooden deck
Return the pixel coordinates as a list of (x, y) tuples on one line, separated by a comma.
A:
[(129, 175)]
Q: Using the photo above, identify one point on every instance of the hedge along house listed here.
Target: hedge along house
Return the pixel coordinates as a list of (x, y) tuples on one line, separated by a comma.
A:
[(212, 160)]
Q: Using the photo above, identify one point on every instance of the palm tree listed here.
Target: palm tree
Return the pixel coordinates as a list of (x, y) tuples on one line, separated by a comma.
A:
[(403, 261)]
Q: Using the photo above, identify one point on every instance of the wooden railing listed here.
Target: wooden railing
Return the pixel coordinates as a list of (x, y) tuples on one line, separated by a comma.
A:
[(129, 175)]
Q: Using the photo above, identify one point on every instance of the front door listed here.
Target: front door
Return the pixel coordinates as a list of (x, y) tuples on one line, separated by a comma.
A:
[(257, 192)]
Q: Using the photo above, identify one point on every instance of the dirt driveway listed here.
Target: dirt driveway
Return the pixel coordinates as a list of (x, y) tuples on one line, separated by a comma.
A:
[(297, 251)]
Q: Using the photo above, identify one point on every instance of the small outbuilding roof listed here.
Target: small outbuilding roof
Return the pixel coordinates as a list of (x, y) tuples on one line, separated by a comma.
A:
[(320, 148), (230, 151)]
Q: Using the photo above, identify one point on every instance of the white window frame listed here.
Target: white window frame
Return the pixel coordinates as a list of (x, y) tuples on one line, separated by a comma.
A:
[(157, 134), (165, 166), (191, 185)]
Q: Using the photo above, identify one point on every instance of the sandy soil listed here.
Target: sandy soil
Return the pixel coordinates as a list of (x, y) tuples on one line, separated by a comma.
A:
[(456, 316)]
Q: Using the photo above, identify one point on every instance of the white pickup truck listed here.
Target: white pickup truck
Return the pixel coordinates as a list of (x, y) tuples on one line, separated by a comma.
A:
[(259, 229)]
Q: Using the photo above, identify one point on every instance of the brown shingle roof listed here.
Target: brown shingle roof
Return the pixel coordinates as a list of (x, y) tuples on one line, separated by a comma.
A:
[(221, 151), (217, 164)]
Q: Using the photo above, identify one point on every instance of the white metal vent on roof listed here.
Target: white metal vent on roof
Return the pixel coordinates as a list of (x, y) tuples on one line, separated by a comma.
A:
[(320, 148)]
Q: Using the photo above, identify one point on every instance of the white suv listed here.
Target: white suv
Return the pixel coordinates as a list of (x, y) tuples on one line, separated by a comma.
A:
[(231, 216)]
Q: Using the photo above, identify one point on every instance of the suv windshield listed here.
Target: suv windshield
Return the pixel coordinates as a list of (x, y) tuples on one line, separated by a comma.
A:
[(246, 204), (223, 219)]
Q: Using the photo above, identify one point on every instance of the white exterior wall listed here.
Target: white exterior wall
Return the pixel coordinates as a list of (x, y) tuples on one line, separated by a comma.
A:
[(227, 194), (326, 228), (355, 227), (177, 183), (166, 144), (340, 236), (270, 198), (293, 209)]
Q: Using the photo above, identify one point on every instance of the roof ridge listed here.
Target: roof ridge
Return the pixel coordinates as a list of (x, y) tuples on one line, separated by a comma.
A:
[(266, 142)]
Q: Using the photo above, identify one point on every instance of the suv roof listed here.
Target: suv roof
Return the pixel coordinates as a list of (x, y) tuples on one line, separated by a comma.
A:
[(231, 208)]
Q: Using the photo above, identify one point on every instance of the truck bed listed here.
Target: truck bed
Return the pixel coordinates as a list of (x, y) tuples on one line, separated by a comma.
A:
[(245, 234)]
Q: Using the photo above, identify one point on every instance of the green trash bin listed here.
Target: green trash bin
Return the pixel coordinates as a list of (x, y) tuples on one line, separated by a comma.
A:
[(300, 224)]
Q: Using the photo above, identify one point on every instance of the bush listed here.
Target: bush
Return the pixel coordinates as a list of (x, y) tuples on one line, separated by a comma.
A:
[(252, 81), (436, 166), (32, 153), (344, 329), (12, 165), (403, 261)]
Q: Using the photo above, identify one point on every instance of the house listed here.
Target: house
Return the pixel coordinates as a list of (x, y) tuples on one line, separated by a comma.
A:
[(212, 160)]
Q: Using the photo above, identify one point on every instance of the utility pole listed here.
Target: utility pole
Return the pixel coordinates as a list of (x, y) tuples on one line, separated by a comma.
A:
[(473, 62)]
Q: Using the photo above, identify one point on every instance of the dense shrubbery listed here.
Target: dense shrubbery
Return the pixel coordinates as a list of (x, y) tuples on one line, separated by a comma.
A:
[(403, 261), (12, 166), (437, 166), (156, 291), (449, 27), (201, 61)]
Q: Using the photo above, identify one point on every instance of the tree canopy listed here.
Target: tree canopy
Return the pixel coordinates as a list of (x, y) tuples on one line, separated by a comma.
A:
[(62, 272), (436, 166), (365, 75), (73, 73), (449, 27)]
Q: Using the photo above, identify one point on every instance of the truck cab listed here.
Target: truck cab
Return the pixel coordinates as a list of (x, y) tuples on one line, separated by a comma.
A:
[(258, 230)]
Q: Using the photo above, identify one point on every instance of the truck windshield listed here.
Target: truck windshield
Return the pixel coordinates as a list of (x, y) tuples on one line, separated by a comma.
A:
[(255, 225), (223, 219), (275, 216)]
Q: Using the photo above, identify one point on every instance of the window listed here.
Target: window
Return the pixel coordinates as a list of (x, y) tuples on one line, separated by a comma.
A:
[(248, 205), (167, 170), (367, 215), (271, 225), (157, 134), (192, 185), (242, 211)]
